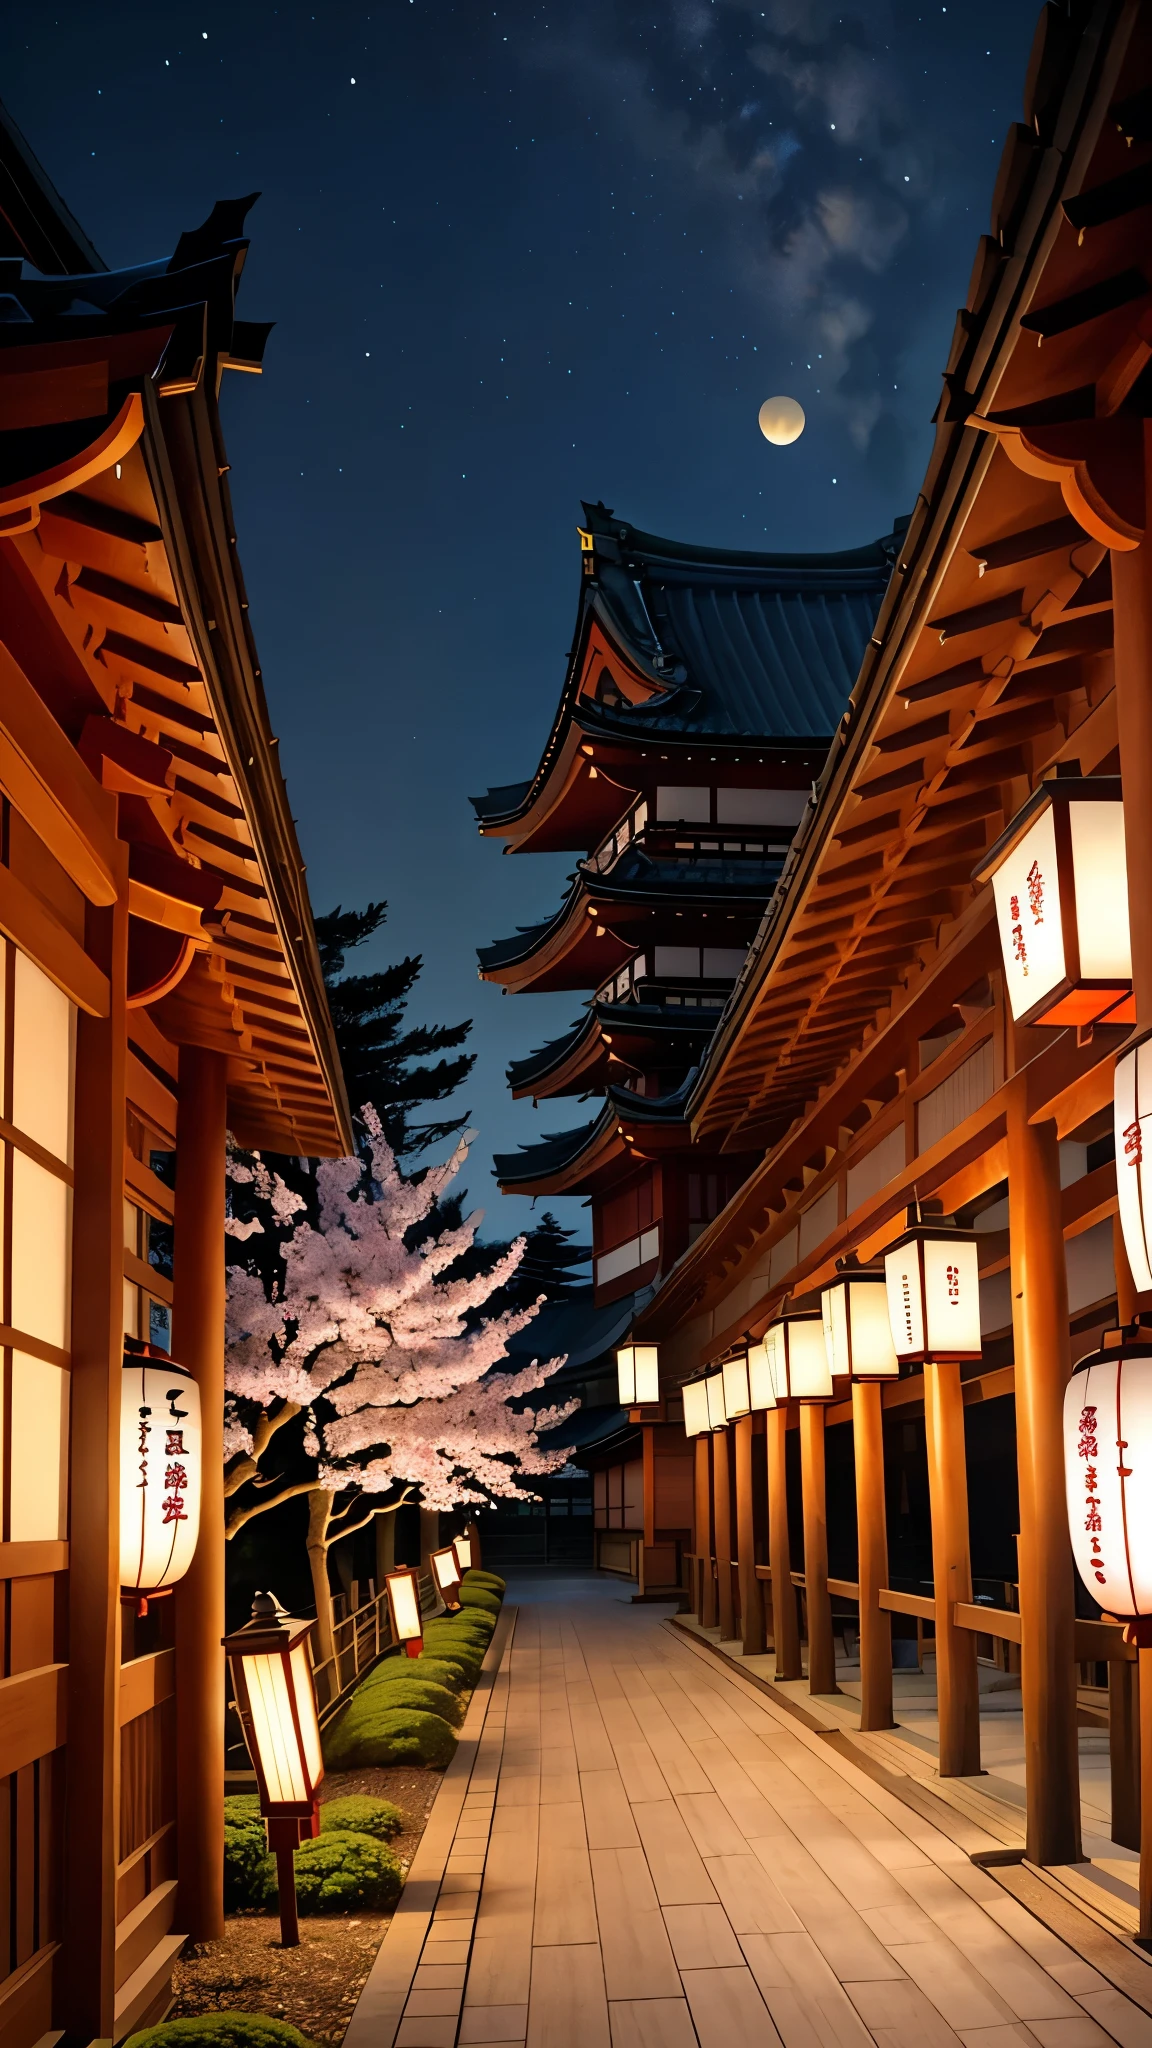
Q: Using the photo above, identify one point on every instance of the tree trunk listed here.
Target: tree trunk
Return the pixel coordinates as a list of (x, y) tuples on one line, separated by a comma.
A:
[(319, 1515)]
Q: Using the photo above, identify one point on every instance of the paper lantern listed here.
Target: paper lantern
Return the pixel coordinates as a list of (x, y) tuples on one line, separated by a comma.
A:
[(696, 1422), (781, 421), (717, 1413), (276, 1702), (857, 1329), (1132, 1122), (933, 1294), (462, 1545), (404, 1607), (1061, 886), (798, 1358), (761, 1390), (446, 1572), (160, 1470), (736, 1397), (1108, 1473), (638, 1373)]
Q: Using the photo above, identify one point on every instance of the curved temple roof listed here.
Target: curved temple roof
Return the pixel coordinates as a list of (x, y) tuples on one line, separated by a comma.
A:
[(577, 1061), (723, 645)]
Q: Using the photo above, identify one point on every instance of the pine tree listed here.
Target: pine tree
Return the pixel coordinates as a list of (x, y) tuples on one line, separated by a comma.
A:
[(376, 1052), (547, 1266)]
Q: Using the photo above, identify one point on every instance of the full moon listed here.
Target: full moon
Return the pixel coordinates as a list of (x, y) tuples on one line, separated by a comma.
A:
[(781, 421)]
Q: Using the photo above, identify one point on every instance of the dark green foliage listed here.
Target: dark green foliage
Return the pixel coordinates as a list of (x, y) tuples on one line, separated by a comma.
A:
[(491, 1580), (341, 1872), (478, 1596), (546, 1268), (375, 1051), (379, 1734), (445, 1670), (245, 1852), (221, 2030), (408, 1690), (361, 1815)]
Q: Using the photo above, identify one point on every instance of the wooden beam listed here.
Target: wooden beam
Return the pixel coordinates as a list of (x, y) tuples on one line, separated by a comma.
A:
[(753, 1637), (821, 1648), (957, 1689), (785, 1624)]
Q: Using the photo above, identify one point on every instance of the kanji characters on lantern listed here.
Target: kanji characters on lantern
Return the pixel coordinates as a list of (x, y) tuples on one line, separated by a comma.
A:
[(159, 1471)]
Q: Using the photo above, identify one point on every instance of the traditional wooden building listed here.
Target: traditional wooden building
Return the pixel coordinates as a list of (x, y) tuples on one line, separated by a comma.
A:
[(701, 693), (873, 1054), (160, 982)]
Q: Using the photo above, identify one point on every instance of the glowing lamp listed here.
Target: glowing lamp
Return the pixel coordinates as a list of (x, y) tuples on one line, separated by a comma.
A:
[(781, 421), (761, 1390), (1060, 882), (160, 1468), (933, 1294), (272, 1686), (696, 1422), (462, 1545), (1132, 1113), (717, 1413), (446, 1572), (1108, 1474), (638, 1372), (857, 1329), (404, 1608), (736, 1394), (798, 1358)]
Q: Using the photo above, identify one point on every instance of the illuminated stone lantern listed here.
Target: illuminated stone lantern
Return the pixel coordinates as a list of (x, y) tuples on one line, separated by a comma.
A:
[(272, 1686), (404, 1608), (798, 1358), (446, 1572), (933, 1287), (857, 1329), (1060, 882), (160, 1468), (638, 1375)]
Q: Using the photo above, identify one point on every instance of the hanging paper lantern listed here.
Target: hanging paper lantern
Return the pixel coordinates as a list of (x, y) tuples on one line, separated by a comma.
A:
[(696, 1419), (735, 1371), (798, 1358), (638, 1375), (761, 1390), (857, 1330), (160, 1472), (1061, 886), (934, 1294), (1108, 1473), (1132, 1122), (717, 1413)]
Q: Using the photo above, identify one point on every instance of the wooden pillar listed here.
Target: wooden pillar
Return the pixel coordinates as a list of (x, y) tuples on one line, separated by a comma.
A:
[(872, 1558), (1132, 641), (752, 1632), (706, 1610), (1124, 1751), (821, 1648), (198, 1343), (722, 1516), (1043, 1367), (87, 1977), (957, 1687), (785, 1626)]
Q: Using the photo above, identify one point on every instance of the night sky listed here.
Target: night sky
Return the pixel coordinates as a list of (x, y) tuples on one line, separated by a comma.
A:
[(519, 256)]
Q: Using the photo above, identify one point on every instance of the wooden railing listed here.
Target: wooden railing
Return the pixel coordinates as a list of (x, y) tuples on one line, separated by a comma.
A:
[(361, 1639)]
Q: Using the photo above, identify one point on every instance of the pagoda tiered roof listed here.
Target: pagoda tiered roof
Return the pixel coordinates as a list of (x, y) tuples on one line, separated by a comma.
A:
[(605, 918), (677, 644), (636, 1037), (587, 1159)]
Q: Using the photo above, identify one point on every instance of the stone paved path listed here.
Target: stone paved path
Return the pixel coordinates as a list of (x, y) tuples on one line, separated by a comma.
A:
[(652, 1855)]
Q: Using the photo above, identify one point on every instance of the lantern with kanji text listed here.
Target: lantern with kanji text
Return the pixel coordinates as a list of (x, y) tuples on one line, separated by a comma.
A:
[(933, 1293), (160, 1472), (1108, 1474), (1132, 1122), (1060, 881)]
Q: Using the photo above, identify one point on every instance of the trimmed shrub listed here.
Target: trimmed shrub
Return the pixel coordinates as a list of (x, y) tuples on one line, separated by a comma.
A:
[(481, 1598), (492, 1580), (447, 1671), (379, 1734), (407, 1690), (221, 2030), (246, 1857), (339, 1872), (359, 1814)]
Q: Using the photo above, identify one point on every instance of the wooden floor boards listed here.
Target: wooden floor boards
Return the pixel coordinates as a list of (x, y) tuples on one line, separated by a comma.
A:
[(651, 1855)]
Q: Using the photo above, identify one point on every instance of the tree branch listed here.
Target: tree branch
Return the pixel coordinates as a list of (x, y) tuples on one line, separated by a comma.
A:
[(351, 1527), (261, 1507), (262, 1435)]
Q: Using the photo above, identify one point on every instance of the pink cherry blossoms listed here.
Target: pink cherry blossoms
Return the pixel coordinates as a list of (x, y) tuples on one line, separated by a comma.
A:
[(352, 1325)]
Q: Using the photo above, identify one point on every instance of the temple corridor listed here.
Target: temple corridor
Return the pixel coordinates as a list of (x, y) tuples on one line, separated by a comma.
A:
[(636, 1848)]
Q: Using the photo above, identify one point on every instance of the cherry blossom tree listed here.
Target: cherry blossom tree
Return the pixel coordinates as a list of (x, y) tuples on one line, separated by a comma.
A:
[(342, 1309)]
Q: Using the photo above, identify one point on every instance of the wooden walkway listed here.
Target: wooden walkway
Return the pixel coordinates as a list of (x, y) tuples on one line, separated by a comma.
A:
[(651, 1855)]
